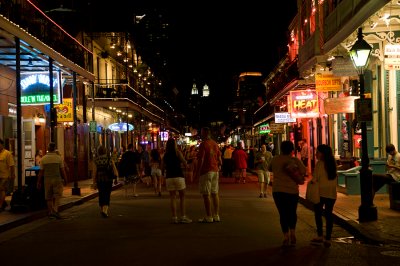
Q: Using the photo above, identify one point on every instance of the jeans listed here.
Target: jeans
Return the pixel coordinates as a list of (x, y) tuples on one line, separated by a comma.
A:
[(318, 210), (286, 204), (379, 180), (105, 188)]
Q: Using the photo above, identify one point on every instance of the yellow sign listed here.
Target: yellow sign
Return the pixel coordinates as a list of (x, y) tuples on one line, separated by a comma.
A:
[(327, 83), (65, 111), (277, 128)]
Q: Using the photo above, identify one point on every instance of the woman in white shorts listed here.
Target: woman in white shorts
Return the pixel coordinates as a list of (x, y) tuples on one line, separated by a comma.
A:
[(175, 182)]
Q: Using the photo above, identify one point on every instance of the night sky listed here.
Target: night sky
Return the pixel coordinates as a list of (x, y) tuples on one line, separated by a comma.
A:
[(214, 43), (209, 41)]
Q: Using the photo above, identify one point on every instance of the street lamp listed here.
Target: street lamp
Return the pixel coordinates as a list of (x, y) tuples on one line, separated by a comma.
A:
[(359, 54)]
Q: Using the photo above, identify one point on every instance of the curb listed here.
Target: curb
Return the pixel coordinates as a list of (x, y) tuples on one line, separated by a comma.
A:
[(349, 225)]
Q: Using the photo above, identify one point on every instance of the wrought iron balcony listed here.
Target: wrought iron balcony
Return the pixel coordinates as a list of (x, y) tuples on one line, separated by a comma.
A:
[(34, 21)]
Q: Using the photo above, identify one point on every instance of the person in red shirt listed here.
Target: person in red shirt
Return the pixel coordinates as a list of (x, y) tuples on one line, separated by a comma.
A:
[(240, 157), (209, 163)]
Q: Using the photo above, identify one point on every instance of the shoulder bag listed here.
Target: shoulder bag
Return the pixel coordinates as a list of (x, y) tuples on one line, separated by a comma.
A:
[(312, 192)]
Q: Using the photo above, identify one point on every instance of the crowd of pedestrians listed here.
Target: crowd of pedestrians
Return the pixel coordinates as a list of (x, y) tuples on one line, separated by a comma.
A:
[(175, 167)]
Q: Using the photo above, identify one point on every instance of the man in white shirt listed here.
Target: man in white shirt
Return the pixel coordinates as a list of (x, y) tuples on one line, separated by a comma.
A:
[(7, 173), (392, 169)]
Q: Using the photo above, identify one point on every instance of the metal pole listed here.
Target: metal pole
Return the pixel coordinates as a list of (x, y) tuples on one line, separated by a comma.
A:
[(53, 114), (75, 190), (19, 111), (367, 211)]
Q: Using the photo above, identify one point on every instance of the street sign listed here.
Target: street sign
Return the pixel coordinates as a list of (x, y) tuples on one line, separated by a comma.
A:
[(363, 109), (92, 126)]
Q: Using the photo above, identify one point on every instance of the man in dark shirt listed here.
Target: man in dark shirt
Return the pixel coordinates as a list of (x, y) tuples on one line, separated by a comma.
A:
[(145, 165), (129, 169)]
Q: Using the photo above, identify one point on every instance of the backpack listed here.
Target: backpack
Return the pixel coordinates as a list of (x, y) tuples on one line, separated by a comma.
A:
[(106, 169)]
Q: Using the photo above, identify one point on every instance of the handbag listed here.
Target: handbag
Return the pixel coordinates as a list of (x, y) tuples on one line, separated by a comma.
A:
[(312, 192), (293, 170)]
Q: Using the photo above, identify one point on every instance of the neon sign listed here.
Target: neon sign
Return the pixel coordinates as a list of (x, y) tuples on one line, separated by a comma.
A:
[(264, 129), (36, 88), (120, 127), (164, 135), (303, 104)]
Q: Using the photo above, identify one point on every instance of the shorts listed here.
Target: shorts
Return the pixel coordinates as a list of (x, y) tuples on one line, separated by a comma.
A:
[(209, 183), (263, 176), (156, 172), (131, 179), (175, 183), (53, 188), (3, 184)]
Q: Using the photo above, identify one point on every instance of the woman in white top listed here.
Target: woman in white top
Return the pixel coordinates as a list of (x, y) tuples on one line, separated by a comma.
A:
[(325, 173)]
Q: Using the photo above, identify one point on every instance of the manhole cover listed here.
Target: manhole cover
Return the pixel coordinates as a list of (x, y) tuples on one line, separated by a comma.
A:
[(393, 253)]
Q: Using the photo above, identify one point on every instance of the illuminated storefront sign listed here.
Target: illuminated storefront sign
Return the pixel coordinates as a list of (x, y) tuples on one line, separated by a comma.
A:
[(284, 117), (327, 83), (12, 109), (303, 104), (264, 129), (164, 135), (65, 111), (277, 128), (120, 127), (35, 88), (339, 105), (392, 56)]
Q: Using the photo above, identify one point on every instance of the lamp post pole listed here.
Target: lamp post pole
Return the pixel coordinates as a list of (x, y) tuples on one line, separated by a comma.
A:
[(359, 54), (367, 211)]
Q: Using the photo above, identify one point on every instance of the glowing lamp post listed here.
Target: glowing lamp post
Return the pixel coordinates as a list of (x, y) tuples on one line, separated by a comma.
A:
[(359, 54)]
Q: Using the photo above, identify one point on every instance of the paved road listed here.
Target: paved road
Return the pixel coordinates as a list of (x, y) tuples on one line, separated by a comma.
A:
[(139, 232)]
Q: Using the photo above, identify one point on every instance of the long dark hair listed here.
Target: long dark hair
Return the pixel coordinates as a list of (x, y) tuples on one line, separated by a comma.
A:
[(329, 160), (287, 147), (155, 155), (170, 148)]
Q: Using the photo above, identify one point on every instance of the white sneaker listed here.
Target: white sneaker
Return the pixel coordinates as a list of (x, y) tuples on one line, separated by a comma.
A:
[(206, 220), (185, 220), (175, 220), (216, 218)]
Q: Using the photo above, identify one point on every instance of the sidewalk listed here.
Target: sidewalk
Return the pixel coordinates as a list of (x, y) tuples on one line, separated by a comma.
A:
[(9, 220), (386, 230)]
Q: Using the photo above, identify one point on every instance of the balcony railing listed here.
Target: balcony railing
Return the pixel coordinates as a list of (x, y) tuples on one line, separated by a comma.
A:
[(36, 23)]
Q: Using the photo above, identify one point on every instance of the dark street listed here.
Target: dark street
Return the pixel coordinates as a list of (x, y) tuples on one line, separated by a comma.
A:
[(139, 232)]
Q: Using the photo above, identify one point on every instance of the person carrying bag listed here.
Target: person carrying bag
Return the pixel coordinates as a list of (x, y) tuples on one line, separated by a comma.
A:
[(323, 184), (104, 174)]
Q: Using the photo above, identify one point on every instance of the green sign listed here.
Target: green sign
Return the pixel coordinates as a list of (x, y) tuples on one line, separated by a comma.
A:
[(35, 88), (92, 126), (264, 129)]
